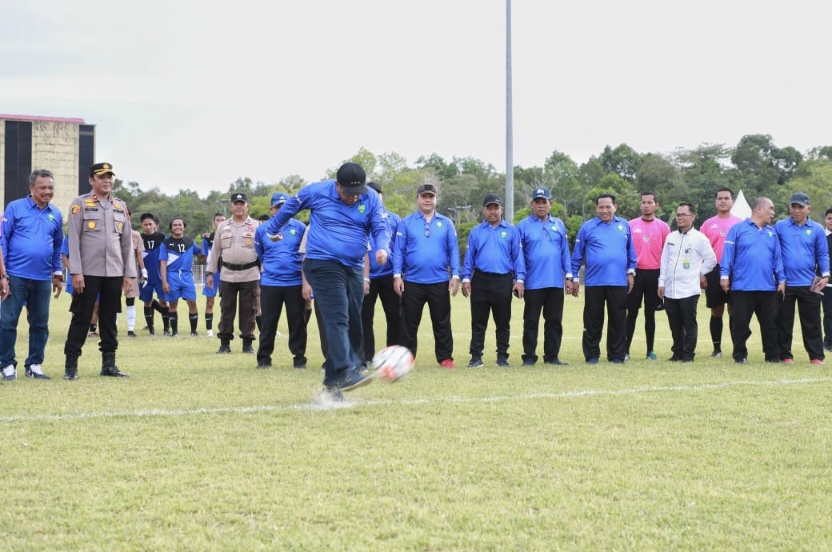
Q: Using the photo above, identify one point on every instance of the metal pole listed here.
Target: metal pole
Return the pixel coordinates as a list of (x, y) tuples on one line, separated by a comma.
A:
[(509, 199)]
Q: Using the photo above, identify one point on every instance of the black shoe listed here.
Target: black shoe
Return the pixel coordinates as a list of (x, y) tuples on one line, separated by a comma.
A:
[(151, 331), (332, 394), (71, 376), (617, 361), (716, 354), (741, 360), (131, 333), (113, 372), (224, 349), (248, 349), (529, 362), (264, 363), (556, 362), (354, 380), (194, 334), (300, 366), (503, 362), (476, 362)]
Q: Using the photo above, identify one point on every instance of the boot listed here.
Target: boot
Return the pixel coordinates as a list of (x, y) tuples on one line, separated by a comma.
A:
[(109, 368), (247, 348), (71, 368), (225, 347)]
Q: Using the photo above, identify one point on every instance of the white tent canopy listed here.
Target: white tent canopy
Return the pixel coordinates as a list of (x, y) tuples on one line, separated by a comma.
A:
[(741, 207)]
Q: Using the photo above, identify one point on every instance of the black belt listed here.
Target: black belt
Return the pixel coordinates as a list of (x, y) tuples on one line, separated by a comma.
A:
[(232, 266)]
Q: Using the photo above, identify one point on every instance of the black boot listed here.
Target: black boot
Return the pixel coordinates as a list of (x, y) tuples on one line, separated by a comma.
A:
[(109, 368), (225, 347), (247, 348), (71, 368)]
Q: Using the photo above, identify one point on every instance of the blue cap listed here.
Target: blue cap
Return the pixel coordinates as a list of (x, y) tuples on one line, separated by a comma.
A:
[(279, 198), (541, 192)]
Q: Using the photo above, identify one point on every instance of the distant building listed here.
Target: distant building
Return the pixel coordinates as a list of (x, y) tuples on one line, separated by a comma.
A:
[(64, 146)]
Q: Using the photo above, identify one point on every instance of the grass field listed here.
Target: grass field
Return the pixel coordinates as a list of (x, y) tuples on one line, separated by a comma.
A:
[(204, 452)]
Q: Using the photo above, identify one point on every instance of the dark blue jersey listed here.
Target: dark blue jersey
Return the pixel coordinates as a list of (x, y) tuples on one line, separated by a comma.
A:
[(150, 256), (179, 253)]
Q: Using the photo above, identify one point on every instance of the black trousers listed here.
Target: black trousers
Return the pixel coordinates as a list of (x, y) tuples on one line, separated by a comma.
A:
[(765, 305), (490, 294), (681, 316), (827, 317), (550, 301), (438, 299), (247, 292), (272, 299), (107, 290), (380, 288), (808, 307), (615, 299), (645, 286)]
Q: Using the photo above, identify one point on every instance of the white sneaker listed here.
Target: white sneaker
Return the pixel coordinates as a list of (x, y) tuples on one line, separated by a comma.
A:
[(9, 373), (209, 333), (36, 371)]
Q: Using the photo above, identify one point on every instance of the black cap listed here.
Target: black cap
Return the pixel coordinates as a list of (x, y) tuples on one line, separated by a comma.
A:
[(427, 189), (352, 179), (374, 186), (800, 198), (239, 197), (492, 198), (101, 168)]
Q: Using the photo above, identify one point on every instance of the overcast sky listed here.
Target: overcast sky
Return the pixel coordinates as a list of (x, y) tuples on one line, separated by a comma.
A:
[(188, 94)]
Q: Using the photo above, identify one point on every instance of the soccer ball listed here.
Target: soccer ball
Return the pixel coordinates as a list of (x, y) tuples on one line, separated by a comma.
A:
[(393, 363)]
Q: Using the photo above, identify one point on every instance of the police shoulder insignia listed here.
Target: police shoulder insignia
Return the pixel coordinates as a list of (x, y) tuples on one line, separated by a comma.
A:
[(75, 210)]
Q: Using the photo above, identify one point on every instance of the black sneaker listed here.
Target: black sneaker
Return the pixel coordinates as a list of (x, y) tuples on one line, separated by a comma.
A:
[(194, 334), (264, 363), (300, 366), (71, 376), (529, 362), (151, 331), (225, 348), (113, 372), (131, 333), (248, 349), (556, 362), (503, 362), (476, 362)]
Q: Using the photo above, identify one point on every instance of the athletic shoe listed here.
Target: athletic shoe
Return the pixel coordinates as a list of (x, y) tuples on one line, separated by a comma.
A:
[(651, 356), (264, 363), (248, 349), (503, 362), (592, 360), (741, 360), (528, 362), (169, 334), (354, 380), (716, 354), (788, 361), (194, 334), (300, 366), (36, 371), (93, 334), (225, 348), (332, 394), (627, 356), (131, 333), (71, 376), (476, 362), (618, 361), (9, 373), (151, 331), (209, 333), (816, 361), (447, 363), (556, 362)]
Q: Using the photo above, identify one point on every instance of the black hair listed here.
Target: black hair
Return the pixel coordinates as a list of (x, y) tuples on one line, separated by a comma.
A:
[(176, 217)]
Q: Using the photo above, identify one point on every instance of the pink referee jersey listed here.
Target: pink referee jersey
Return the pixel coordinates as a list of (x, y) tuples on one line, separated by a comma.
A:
[(715, 229), (648, 240)]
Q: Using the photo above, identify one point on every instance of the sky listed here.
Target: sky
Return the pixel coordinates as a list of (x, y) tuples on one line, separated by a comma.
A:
[(191, 94)]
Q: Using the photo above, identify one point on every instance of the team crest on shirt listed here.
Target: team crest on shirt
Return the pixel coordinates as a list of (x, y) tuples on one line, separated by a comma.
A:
[(292, 231), (770, 234), (620, 228), (439, 224), (503, 234), (362, 208), (808, 230), (75, 210)]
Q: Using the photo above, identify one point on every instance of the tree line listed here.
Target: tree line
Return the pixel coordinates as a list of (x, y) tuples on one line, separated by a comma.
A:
[(755, 165)]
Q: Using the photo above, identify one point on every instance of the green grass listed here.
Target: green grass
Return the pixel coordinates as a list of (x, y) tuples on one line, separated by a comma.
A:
[(198, 451)]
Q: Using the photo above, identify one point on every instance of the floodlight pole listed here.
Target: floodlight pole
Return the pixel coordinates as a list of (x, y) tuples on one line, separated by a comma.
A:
[(509, 199)]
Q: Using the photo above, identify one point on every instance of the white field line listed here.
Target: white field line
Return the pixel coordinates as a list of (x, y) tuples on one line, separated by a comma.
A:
[(319, 405)]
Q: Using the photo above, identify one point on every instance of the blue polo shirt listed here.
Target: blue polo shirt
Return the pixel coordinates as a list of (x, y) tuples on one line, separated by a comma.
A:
[(339, 231), (546, 252), (606, 248), (377, 270), (68, 279), (425, 251), (804, 250), (752, 258), (281, 259), (494, 249), (32, 239)]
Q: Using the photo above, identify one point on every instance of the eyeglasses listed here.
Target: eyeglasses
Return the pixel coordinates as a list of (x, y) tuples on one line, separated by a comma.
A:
[(427, 229)]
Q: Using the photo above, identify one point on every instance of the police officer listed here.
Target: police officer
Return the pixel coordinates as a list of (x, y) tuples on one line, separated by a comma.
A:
[(281, 284), (101, 264), (494, 267), (240, 276)]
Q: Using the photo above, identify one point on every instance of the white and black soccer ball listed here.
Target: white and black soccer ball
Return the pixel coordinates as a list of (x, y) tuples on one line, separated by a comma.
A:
[(393, 363)]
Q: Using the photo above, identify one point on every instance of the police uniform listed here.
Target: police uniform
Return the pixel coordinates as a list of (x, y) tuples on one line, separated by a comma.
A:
[(100, 249), (234, 244)]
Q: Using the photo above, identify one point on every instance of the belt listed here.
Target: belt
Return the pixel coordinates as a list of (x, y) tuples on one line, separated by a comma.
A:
[(246, 266)]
